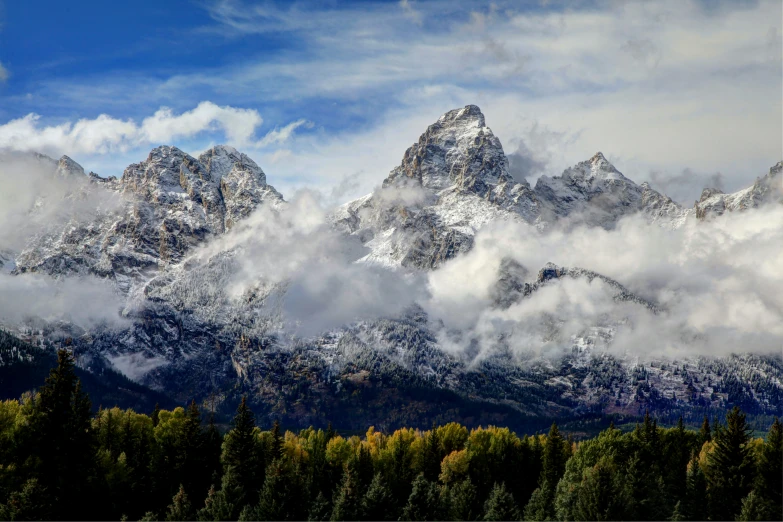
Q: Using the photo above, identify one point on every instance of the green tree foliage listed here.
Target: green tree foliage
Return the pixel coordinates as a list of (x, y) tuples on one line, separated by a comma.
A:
[(462, 500), (731, 468), (501, 505), (282, 494), (695, 503), (348, 502), (243, 454), (424, 502), (180, 508), (555, 455), (769, 481), (60, 441), (59, 461), (753, 508), (378, 502)]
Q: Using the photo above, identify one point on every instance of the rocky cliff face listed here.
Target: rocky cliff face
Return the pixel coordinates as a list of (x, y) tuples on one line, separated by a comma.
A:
[(162, 207), (189, 335), (455, 180), (767, 189)]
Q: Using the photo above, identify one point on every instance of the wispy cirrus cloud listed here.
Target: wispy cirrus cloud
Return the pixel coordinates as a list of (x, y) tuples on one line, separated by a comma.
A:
[(283, 134), (411, 12)]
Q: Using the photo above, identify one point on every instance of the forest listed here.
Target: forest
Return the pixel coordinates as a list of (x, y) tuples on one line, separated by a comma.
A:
[(61, 461)]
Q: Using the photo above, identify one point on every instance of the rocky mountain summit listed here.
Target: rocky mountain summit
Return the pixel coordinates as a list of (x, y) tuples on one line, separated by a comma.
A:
[(455, 180), (168, 235), (767, 189), (162, 207)]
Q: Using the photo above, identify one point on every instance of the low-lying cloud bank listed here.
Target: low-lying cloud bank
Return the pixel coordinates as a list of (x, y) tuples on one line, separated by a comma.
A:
[(33, 199), (85, 302), (718, 283), (298, 251)]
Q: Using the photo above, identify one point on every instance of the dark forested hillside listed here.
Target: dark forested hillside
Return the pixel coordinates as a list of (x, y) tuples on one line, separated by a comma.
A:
[(24, 367), (58, 460)]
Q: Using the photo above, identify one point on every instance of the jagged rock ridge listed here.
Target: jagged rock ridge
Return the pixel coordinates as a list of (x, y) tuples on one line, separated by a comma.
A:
[(189, 338), (168, 203)]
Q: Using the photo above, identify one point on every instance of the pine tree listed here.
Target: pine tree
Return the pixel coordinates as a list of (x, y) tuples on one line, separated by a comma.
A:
[(213, 447), (242, 454), (695, 503), (60, 436), (320, 508), (542, 502), (677, 514), (501, 505), (431, 457), (248, 514), (156, 415), (226, 503), (277, 441), (378, 502), (645, 485), (675, 462), (705, 434), (180, 508), (424, 502), (752, 509), (769, 482), (601, 495), (538, 506), (347, 503), (462, 501), (29, 503), (282, 494), (554, 458), (731, 467), (190, 464), (364, 468)]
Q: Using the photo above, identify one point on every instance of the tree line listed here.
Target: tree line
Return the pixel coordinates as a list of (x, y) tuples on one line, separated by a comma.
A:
[(60, 461)]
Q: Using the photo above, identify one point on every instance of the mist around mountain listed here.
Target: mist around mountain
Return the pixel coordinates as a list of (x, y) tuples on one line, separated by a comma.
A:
[(452, 292)]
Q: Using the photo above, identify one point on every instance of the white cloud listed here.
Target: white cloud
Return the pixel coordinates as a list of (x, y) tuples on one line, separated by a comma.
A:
[(105, 134), (3, 73), (718, 283), (296, 249), (238, 125), (84, 301), (657, 86), (410, 12), (282, 135)]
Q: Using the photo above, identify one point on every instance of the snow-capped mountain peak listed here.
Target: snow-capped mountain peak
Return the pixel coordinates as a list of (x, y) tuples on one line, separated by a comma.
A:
[(457, 150), (222, 159), (68, 167), (766, 189)]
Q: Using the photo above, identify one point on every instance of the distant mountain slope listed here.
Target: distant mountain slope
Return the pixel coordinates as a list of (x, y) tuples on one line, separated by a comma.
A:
[(455, 180), (767, 189), (24, 368), (163, 207), (183, 228)]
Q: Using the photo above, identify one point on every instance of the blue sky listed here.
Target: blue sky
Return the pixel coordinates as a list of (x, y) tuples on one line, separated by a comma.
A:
[(329, 95)]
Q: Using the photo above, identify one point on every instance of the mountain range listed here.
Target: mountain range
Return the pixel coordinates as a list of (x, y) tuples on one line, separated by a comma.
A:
[(224, 288)]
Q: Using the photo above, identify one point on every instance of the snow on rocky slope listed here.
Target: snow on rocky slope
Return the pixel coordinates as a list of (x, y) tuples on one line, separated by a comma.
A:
[(766, 189), (455, 180), (191, 335), (166, 205)]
